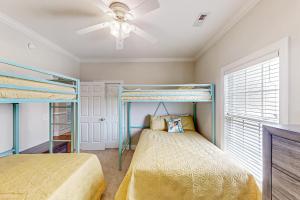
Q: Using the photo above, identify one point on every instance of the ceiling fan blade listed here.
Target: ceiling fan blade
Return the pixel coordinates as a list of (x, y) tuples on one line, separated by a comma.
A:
[(103, 5), (93, 28), (106, 2), (145, 7), (143, 34), (119, 44)]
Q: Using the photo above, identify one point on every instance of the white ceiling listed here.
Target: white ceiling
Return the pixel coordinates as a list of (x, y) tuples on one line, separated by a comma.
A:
[(171, 24)]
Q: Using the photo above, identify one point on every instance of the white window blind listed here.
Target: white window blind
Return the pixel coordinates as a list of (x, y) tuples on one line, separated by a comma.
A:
[(251, 99)]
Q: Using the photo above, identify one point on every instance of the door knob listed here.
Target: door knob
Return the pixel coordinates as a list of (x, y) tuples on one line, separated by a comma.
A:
[(102, 119)]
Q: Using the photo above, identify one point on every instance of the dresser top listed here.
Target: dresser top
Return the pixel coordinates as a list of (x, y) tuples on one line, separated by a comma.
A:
[(291, 132)]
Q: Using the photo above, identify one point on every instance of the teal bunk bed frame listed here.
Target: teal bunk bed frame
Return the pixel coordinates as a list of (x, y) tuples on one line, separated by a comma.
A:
[(57, 80), (124, 107)]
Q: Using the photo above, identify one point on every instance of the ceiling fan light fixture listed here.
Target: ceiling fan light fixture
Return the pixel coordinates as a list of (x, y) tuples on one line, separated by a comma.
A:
[(120, 30), (110, 13), (129, 16), (121, 15)]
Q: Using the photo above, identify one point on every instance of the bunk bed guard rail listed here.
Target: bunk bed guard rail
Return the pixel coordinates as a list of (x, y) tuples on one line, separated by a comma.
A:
[(42, 82)]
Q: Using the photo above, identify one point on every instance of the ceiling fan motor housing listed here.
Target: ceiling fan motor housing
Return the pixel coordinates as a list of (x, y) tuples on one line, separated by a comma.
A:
[(120, 10)]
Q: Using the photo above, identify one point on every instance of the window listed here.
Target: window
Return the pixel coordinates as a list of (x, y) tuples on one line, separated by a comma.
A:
[(251, 98)]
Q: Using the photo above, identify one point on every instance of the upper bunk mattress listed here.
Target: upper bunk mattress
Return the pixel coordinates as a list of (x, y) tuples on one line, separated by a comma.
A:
[(51, 176), (171, 95), (184, 166), (27, 94)]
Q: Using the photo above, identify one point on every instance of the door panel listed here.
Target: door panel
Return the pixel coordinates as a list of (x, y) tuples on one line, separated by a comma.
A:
[(93, 111), (84, 106), (84, 132), (96, 132), (112, 115)]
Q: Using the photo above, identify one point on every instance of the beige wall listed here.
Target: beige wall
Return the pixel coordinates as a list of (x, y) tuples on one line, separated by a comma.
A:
[(143, 73), (34, 117), (267, 23)]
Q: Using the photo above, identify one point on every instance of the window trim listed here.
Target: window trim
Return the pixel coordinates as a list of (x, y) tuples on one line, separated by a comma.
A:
[(281, 46)]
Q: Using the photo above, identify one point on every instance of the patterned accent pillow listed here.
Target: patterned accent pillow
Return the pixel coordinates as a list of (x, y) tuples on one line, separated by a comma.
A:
[(175, 125)]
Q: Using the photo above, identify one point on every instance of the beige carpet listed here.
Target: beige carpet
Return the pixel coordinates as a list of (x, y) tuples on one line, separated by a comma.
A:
[(112, 175)]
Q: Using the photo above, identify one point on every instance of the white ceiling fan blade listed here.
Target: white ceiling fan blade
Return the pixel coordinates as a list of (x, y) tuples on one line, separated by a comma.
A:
[(119, 44), (106, 2), (93, 28), (145, 7), (143, 34), (103, 5)]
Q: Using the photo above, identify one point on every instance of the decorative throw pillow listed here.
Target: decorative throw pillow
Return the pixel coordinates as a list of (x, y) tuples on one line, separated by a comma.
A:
[(175, 126), (187, 123), (159, 123)]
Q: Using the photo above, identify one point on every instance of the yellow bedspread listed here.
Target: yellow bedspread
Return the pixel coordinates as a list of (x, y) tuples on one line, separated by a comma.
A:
[(51, 177), (23, 94), (184, 166)]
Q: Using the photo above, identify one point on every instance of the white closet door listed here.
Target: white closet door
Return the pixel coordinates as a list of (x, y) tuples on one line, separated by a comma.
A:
[(112, 115), (93, 125)]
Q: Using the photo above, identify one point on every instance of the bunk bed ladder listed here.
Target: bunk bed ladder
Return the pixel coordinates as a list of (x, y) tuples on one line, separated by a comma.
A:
[(52, 124)]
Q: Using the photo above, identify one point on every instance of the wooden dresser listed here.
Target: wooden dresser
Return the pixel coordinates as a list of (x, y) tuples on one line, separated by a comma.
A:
[(281, 154)]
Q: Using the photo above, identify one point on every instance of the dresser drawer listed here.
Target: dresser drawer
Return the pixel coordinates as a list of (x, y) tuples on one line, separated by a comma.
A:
[(286, 156), (284, 187)]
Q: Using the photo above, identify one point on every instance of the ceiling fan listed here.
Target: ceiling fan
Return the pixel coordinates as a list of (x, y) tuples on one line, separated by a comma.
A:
[(122, 14)]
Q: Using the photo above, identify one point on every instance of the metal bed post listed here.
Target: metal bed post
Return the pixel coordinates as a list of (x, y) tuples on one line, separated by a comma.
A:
[(213, 114), (129, 124), (120, 127), (195, 113), (16, 128), (50, 128), (73, 128)]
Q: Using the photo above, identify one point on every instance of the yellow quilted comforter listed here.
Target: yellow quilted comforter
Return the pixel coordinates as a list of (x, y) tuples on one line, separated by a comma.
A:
[(51, 177), (26, 94), (184, 166)]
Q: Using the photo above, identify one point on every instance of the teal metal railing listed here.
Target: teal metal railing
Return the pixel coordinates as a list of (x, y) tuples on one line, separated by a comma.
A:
[(57, 80), (140, 90)]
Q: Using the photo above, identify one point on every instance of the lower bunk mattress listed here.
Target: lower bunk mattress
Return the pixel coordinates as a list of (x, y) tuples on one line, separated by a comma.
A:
[(184, 166), (51, 177)]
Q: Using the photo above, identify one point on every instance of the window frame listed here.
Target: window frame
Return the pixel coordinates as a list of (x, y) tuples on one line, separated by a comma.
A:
[(282, 47)]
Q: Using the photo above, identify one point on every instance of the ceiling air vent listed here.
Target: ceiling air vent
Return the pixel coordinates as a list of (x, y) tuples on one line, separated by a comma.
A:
[(200, 19)]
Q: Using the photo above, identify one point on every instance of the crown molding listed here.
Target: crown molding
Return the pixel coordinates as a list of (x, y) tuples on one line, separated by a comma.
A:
[(136, 60), (221, 33), (34, 35)]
